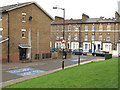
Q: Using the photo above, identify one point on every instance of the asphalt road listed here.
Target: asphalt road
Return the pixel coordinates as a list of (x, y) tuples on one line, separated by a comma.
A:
[(50, 65)]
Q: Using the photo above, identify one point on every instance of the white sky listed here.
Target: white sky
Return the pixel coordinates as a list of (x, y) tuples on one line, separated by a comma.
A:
[(74, 8)]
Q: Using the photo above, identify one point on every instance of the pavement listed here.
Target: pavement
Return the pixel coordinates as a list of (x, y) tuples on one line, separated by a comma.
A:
[(49, 66)]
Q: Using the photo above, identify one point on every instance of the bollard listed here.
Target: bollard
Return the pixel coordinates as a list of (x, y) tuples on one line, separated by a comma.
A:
[(79, 60), (63, 64)]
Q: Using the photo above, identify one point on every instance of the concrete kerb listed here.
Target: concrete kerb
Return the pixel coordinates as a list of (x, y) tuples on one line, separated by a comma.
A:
[(3, 84)]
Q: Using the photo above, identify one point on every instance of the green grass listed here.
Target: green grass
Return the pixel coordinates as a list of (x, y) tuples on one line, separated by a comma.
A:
[(103, 74)]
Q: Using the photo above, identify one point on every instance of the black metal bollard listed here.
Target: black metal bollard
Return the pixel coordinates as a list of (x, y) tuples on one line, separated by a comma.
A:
[(63, 64), (79, 60)]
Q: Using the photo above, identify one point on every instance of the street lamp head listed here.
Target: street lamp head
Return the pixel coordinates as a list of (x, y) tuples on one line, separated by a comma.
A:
[(54, 7)]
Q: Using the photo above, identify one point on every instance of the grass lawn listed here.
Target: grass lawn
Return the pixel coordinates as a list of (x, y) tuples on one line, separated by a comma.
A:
[(103, 74)]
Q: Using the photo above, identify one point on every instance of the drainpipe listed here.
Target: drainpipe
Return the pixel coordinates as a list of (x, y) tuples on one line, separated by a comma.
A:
[(8, 40), (8, 36)]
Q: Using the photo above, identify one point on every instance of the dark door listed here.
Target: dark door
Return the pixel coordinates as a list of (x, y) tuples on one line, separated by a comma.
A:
[(22, 53), (98, 47), (94, 48)]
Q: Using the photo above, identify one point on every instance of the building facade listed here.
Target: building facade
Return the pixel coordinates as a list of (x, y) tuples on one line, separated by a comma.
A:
[(93, 33), (26, 28)]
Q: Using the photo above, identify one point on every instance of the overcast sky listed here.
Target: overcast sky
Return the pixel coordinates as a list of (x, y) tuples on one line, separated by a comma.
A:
[(75, 8)]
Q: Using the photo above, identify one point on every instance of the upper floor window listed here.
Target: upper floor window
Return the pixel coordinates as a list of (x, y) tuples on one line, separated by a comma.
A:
[(86, 37), (58, 28), (93, 27), (69, 37), (69, 27), (57, 36), (100, 27), (93, 37), (1, 32), (63, 27), (119, 37), (0, 16), (23, 17), (108, 38), (86, 27), (76, 28), (108, 27), (23, 33), (75, 38), (100, 37)]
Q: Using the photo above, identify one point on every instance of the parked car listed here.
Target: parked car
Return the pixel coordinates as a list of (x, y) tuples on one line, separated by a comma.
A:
[(51, 51), (119, 55), (77, 52), (100, 53)]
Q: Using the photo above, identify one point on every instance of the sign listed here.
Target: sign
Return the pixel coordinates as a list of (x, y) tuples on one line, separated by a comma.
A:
[(63, 44), (63, 41)]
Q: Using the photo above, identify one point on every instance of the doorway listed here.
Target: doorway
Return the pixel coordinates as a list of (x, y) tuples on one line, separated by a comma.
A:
[(98, 47), (22, 53)]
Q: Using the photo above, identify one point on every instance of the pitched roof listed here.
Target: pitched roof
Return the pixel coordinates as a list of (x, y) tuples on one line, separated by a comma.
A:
[(107, 20), (91, 20), (100, 20), (19, 5), (75, 21)]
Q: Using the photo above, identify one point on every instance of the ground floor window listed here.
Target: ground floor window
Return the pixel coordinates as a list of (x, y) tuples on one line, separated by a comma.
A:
[(86, 46), (56, 45), (0, 33)]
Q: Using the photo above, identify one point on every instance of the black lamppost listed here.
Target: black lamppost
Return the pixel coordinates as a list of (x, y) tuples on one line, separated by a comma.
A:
[(63, 32), (79, 45), (94, 36)]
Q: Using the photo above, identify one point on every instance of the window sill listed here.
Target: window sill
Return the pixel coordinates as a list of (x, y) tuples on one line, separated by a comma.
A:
[(23, 21)]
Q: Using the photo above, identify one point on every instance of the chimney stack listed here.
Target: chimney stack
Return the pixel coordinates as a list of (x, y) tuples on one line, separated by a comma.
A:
[(85, 17)]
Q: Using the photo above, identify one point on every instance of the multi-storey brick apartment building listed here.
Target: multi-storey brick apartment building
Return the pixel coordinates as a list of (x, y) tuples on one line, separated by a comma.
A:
[(24, 32), (95, 33)]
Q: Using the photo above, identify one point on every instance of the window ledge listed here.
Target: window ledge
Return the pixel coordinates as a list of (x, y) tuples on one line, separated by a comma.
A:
[(23, 37), (23, 21)]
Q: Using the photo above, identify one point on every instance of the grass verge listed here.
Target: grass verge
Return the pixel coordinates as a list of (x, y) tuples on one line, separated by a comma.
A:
[(103, 74)]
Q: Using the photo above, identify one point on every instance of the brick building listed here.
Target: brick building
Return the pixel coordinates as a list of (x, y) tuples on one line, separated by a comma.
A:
[(25, 32), (95, 33)]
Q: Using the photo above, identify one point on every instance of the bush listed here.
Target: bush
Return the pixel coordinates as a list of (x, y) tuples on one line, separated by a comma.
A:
[(108, 56)]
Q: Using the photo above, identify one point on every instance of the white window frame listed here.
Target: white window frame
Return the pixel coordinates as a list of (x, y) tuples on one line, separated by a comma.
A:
[(100, 37), (58, 27), (108, 38), (86, 37), (86, 27), (1, 29), (75, 38), (100, 26), (93, 28), (69, 27), (0, 17), (23, 32), (69, 37), (108, 27), (23, 15), (93, 37), (57, 36)]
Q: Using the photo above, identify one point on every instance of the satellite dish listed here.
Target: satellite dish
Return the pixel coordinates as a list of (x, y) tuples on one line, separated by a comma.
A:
[(30, 18)]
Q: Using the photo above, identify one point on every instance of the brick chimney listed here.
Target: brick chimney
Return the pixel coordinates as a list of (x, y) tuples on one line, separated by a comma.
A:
[(117, 15), (84, 16)]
